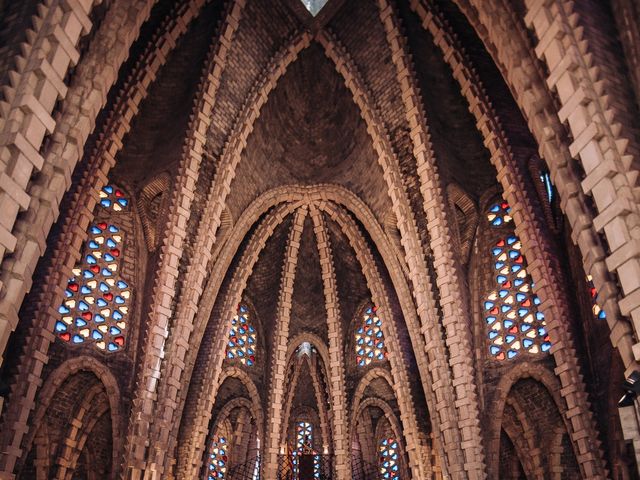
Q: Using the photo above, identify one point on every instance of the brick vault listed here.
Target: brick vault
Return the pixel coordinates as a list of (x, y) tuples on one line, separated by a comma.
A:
[(346, 239)]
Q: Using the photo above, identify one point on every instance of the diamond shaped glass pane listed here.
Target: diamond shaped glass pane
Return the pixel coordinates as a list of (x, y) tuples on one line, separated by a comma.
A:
[(314, 6)]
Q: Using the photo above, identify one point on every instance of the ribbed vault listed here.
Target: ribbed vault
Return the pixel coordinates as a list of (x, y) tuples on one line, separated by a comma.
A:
[(308, 243)]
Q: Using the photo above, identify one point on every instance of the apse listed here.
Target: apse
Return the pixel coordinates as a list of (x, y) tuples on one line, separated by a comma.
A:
[(319, 239)]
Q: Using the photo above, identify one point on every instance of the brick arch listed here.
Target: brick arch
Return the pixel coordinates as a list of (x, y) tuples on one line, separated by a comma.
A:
[(520, 451), (107, 383), (365, 381), (94, 405), (548, 279), (508, 44), (323, 415), (496, 404), (393, 422), (254, 395), (239, 402), (189, 454), (301, 195), (323, 352), (217, 192), (427, 306)]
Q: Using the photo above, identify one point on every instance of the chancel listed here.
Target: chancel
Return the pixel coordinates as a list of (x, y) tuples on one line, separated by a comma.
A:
[(319, 239)]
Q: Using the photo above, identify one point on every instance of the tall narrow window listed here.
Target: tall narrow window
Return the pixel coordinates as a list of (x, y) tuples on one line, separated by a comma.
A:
[(96, 303), (369, 339), (389, 459), (304, 446), (511, 309), (217, 459), (242, 338)]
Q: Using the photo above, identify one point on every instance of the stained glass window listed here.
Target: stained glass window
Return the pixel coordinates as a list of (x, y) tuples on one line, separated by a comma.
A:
[(389, 464), (217, 459), (597, 311), (499, 214), (242, 338), (96, 301), (304, 446), (370, 339), (511, 309)]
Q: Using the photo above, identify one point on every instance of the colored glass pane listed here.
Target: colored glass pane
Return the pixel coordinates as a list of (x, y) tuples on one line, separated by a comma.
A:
[(96, 303), (242, 338), (595, 308), (389, 459), (217, 459), (499, 214), (304, 446), (369, 339), (511, 311)]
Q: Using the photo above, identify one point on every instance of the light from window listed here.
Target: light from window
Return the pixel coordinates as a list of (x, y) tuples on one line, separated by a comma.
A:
[(217, 459), (499, 214), (96, 301), (242, 338), (595, 308), (314, 6), (511, 310), (370, 339), (389, 465)]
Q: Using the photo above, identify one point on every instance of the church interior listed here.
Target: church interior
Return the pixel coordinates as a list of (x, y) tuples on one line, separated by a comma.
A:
[(319, 239)]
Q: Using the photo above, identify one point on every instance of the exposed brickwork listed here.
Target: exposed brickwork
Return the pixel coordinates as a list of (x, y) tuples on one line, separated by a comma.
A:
[(315, 174)]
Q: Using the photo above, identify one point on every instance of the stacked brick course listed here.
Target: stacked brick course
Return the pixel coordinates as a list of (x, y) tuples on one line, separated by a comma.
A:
[(237, 208)]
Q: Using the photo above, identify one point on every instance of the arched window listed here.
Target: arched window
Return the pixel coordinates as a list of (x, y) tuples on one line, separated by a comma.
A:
[(97, 298), (304, 446), (217, 459), (369, 341), (242, 338), (511, 309), (389, 459)]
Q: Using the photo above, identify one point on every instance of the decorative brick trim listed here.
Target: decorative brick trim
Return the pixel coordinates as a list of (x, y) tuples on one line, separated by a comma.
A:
[(47, 55), (418, 460), (336, 347), (426, 305), (591, 110), (163, 435), (109, 385), (549, 284), (446, 264), (66, 252), (495, 23), (280, 343), (24, 134), (171, 252)]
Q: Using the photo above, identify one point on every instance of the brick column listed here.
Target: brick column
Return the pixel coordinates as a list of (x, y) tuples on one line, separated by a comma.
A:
[(280, 343), (414, 255), (337, 379), (446, 266)]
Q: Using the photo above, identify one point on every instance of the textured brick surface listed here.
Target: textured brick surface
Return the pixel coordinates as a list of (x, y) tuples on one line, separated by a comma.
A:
[(308, 167)]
